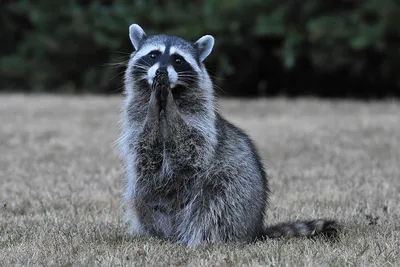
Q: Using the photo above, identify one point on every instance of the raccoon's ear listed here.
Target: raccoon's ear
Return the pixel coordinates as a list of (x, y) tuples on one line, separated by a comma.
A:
[(204, 46), (136, 33)]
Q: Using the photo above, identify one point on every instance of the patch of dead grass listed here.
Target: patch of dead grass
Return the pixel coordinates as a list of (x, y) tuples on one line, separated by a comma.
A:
[(61, 181)]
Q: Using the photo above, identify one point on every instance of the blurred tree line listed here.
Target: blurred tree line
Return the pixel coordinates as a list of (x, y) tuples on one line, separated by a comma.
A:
[(263, 47)]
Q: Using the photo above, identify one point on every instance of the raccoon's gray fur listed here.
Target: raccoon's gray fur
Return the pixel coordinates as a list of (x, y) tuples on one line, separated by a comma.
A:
[(191, 176)]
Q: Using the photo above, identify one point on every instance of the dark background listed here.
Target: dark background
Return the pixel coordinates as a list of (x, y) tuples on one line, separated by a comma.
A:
[(325, 48)]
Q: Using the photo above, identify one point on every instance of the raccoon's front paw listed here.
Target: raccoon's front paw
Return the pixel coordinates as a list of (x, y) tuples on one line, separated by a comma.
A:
[(164, 96), (155, 100), (157, 94), (162, 86)]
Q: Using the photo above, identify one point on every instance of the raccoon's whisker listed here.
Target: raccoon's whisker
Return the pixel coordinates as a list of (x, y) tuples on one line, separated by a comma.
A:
[(120, 88), (121, 57), (187, 76), (140, 64), (220, 89), (143, 70), (117, 64), (186, 73), (187, 79), (119, 73), (119, 52), (141, 67), (141, 78), (117, 61), (213, 75)]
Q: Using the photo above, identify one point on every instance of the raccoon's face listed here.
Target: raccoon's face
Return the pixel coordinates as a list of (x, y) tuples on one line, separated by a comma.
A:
[(179, 59)]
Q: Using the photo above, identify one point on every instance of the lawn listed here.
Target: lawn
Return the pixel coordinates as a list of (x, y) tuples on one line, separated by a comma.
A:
[(61, 181)]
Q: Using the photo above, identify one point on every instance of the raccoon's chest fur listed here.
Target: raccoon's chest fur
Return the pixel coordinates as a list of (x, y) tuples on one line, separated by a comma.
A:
[(165, 191)]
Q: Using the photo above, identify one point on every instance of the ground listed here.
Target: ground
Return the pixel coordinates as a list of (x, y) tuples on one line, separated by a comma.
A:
[(61, 180)]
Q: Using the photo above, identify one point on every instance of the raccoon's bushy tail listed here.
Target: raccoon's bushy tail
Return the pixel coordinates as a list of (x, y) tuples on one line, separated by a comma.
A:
[(311, 228)]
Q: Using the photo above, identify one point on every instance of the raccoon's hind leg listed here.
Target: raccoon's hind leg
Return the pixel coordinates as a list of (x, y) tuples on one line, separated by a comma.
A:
[(221, 211), (311, 228)]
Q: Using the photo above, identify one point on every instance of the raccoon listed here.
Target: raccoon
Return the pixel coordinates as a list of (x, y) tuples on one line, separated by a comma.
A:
[(191, 176)]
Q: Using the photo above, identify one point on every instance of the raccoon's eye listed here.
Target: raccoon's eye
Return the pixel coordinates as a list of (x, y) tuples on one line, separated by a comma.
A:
[(153, 55), (178, 61)]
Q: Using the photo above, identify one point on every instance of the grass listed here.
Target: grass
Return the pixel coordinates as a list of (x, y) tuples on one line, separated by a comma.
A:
[(61, 180)]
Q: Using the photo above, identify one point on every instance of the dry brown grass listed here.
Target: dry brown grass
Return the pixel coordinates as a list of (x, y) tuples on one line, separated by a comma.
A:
[(61, 181)]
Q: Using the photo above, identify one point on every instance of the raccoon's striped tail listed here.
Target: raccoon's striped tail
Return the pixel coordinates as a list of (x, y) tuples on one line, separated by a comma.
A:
[(311, 228)]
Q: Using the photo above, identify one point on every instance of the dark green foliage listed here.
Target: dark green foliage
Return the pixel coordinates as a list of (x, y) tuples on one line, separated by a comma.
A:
[(262, 46)]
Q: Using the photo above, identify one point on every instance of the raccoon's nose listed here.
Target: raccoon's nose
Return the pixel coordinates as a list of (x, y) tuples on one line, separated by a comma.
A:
[(161, 70)]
